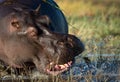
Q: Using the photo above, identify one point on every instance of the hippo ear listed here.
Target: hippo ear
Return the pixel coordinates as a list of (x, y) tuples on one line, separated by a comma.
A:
[(44, 20), (37, 9)]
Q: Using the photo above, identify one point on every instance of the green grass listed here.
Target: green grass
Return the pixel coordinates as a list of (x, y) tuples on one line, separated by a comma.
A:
[(96, 30), (96, 23)]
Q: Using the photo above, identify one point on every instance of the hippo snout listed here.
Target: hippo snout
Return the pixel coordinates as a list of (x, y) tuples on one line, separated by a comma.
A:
[(73, 43)]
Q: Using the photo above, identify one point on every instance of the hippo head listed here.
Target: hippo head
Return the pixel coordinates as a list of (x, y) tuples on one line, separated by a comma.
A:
[(59, 50), (52, 53)]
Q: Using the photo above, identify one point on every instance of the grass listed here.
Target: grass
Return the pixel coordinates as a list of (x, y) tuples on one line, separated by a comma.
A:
[(96, 23)]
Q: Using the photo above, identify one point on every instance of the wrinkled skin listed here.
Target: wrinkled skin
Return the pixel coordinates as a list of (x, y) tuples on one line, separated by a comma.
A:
[(25, 37), (50, 9)]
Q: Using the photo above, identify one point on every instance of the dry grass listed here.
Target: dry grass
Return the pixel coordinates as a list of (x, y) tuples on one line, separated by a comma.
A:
[(96, 22)]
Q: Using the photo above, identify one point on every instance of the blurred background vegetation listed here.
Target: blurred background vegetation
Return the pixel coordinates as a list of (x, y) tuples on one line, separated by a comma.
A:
[(95, 22)]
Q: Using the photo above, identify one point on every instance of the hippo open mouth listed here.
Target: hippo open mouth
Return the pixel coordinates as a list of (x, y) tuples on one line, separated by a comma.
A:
[(57, 69)]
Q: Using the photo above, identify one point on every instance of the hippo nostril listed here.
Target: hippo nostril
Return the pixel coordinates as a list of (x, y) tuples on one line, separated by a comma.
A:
[(69, 39), (69, 45)]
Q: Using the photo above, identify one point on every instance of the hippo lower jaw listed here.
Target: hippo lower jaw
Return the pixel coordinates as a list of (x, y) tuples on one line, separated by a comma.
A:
[(57, 69)]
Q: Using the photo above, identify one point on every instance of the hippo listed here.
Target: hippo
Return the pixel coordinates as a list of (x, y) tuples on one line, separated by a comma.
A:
[(49, 8), (27, 36)]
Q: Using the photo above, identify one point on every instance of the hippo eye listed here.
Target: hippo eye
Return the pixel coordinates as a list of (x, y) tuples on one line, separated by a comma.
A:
[(15, 24), (69, 39)]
